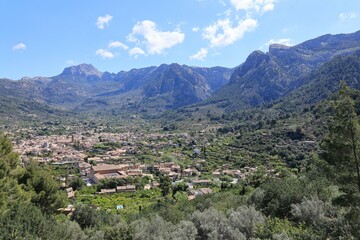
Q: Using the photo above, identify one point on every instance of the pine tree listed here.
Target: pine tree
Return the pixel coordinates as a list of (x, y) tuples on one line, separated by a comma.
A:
[(342, 145)]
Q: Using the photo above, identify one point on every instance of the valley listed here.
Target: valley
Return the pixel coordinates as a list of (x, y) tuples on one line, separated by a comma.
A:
[(126, 154)]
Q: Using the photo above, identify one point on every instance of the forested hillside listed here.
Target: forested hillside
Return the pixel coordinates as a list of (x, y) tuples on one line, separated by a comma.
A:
[(318, 201)]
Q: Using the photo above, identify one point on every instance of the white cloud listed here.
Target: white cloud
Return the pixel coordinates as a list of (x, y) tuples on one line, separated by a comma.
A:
[(104, 53), (118, 44), (343, 17), (195, 29), (222, 33), (103, 21), (222, 2), (136, 52), (254, 5), (200, 55), (19, 46), (70, 62), (282, 41), (155, 41)]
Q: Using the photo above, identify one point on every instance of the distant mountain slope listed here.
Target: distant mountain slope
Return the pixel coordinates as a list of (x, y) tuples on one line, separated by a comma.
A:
[(71, 87), (14, 110), (172, 86), (265, 77), (85, 86), (262, 79), (216, 77), (324, 82)]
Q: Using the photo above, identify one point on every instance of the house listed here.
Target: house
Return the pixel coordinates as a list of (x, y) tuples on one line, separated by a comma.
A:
[(165, 170), (175, 168), (168, 164), (67, 210), (192, 194), (127, 188), (205, 191), (155, 184), (134, 172), (105, 168), (233, 173), (174, 176), (203, 182), (216, 174), (187, 172), (107, 191), (84, 168), (106, 171), (153, 167), (97, 177)]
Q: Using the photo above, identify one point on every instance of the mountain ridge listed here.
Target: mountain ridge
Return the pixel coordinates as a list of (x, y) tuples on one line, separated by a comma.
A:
[(81, 83), (263, 78), (266, 77)]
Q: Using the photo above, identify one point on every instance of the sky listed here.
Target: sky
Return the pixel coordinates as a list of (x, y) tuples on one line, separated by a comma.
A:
[(41, 38)]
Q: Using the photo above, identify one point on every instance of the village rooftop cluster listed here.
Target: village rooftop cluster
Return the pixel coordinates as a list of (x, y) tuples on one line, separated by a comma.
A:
[(121, 161)]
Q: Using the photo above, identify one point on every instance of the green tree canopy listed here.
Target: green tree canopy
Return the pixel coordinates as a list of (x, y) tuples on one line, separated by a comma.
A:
[(341, 146)]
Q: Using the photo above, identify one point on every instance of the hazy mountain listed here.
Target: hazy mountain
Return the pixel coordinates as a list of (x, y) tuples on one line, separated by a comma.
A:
[(163, 87), (83, 85)]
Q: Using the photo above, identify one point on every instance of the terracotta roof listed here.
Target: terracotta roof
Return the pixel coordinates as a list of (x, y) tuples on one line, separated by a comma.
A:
[(205, 190), (104, 167)]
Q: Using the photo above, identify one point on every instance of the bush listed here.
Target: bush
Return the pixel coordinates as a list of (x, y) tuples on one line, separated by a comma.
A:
[(246, 220)]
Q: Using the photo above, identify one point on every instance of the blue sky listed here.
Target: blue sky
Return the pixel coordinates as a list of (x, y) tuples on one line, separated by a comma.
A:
[(41, 38)]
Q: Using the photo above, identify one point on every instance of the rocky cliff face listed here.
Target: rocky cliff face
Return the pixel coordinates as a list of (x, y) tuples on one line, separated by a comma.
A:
[(182, 85), (265, 77), (80, 71)]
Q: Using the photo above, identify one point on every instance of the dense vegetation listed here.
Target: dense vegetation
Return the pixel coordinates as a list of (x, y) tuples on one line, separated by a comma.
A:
[(319, 200)]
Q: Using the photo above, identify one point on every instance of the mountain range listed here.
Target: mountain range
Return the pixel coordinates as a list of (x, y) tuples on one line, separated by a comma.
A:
[(265, 77), (78, 86), (305, 73)]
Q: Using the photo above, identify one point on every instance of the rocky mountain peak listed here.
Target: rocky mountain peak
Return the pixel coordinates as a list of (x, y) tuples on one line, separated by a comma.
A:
[(253, 61), (81, 70), (277, 48), (257, 57)]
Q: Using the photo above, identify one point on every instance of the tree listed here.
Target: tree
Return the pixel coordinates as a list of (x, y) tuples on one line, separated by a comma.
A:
[(342, 144), (276, 196), (246, 219), (86, 216), (77, 183), (8, 159), (179, 187), (165, 185), (152, 229), (184, 230), (10, 191), (47, 191), (121, 231), (25, 221), (212, 224)]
